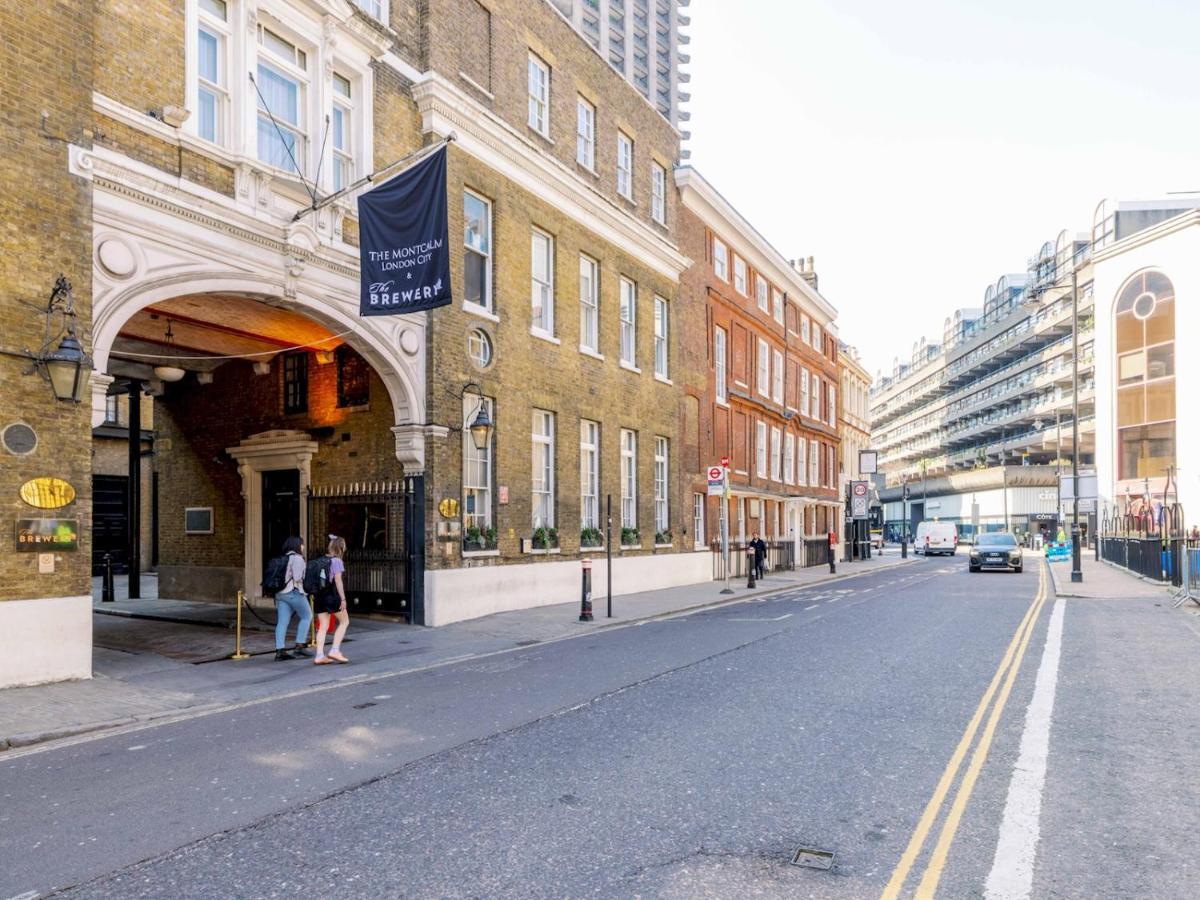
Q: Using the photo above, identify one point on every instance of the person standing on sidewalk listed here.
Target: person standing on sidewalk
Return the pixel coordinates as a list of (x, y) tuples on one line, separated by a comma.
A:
[(292, 601), (331, 603), (760, 554)]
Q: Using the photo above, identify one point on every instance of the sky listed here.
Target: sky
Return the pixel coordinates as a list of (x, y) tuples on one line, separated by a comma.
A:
[(920, 150)]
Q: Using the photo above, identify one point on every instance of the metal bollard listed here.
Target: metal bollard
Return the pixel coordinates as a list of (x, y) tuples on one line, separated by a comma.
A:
[(832, 554), (750, 582), (312, 623), (585, 603), (108, 592), (237, 648)]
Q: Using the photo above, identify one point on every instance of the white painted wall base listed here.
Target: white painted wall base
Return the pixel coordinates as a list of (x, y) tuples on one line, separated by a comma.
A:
[(46, 640), (453, 595)]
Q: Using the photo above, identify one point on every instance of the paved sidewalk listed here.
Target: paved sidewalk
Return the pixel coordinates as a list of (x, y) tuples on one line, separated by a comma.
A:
[(1102, 580), (156, 659)]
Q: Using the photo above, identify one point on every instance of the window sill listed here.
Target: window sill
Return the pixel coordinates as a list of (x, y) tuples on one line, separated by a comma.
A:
[(553, 551), (663, 378), (477, 86), (587, 170), (664, 546), (588, 351), (722, 403), (544, 138), (630, 367), (545, 336), (631, 547), (479, 554), (482, 311)]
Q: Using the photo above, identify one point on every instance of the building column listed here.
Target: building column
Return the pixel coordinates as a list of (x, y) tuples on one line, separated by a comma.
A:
[(134, 521)]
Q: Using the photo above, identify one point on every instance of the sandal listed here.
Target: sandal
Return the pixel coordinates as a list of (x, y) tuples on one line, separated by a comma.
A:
[(322, 661), (336, 656)]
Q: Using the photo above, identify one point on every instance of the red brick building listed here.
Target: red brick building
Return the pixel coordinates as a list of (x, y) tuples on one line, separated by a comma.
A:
[(765, 376)]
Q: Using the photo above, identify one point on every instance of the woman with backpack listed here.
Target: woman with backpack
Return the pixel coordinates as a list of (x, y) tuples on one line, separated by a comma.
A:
[(331, 602), (292, 600)]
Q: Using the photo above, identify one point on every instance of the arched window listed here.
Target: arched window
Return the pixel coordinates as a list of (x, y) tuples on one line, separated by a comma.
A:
[(1145, 341)]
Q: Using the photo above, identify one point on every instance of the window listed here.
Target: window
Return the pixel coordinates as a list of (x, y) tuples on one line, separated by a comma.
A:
[(295, 383), (543, 469), (814, 464), (661, 325), (539, 96), (628, 322), (760, 449), (542, 282), (353, 378), (801, 462), (776, 454), (805, 334), (763, 383), (698, 536), (762, 292), (624, 165), (816, 336), (112, 410), (832, 406), (1145, 371), (477, 257), (658, 193), (804, 392), (479, 348), (789, 458), (719, 364), (585, 134), (720, 260), (777, 378), (739, 275), (628, 479), (340, 132), (589, 474), (777, 301), (831, 457), (373, 8), (477, 468), (589, 309), (662, 520), (212, 89), (281, 80), (816, 409)]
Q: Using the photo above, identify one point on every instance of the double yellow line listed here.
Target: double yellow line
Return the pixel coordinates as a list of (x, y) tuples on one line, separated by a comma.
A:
[(1006, 674)]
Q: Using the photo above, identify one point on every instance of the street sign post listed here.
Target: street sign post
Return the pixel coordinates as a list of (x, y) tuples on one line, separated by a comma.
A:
[(859, 499), (868, 462), (718, 486), (716, 481)]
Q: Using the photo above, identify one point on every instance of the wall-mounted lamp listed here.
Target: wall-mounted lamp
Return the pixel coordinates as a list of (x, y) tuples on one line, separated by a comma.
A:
[(481, 425), (67, 367)]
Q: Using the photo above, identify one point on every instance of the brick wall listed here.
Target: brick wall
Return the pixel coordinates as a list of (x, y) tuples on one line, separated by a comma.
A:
[(139, 51), (45, 229)]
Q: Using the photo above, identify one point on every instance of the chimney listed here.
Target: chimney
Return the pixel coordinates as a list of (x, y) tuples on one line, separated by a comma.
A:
[(806, 271)]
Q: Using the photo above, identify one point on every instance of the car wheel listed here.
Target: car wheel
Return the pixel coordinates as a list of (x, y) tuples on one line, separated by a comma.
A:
[(972, 568), (1019, 569)]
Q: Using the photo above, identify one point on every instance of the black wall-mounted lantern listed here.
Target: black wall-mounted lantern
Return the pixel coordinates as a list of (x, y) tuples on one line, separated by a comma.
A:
[(481, 426), (68, 367)]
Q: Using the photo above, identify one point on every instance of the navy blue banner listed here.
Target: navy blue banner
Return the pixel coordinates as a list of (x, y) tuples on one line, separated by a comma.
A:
[(404, 247)]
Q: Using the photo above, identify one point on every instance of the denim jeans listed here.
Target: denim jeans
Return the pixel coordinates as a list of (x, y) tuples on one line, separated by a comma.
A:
[(287, 604)]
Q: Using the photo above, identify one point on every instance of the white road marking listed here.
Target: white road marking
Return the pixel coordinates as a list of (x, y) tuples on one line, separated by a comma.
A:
[(1012, 870), (764, 618), (137, 747), (814, 606)]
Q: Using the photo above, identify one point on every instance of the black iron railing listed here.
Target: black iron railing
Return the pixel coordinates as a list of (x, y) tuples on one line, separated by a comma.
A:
[(780, 557)]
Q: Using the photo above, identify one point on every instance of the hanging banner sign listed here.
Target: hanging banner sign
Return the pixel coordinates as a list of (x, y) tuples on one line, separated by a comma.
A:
[(404, 245)]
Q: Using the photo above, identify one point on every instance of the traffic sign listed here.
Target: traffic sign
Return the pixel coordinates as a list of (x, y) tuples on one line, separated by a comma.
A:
[(716, 481), (859, 499), (860, 489), (724, 462)]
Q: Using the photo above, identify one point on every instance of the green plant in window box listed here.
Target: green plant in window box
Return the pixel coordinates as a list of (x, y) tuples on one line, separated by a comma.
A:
[(630, 537), (489, 538), (591, 537), (476, 538), (662, 537), (545, 538)]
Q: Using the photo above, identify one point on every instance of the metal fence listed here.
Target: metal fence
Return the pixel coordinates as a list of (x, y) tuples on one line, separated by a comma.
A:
[(781, 557), (816, 552), (1150, 544)]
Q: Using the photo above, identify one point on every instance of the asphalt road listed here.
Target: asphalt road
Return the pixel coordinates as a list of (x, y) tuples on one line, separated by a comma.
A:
[(680, 758)]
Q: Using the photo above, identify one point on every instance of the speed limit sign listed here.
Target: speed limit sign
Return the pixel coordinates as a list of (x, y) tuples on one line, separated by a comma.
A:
[(860, 489)]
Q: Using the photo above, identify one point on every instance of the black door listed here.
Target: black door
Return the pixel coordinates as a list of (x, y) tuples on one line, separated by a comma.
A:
[(280, 510), (110, 514)]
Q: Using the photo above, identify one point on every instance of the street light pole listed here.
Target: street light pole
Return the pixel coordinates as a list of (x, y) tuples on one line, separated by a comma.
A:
[(1076, 553), (904, 517)]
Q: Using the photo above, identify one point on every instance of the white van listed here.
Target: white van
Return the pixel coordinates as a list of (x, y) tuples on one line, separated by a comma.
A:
[(936, 537)]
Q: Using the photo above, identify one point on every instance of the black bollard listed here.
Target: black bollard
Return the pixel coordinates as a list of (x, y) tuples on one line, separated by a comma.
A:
[(750, 582), (107, 593), (585, 604), (832, 554)]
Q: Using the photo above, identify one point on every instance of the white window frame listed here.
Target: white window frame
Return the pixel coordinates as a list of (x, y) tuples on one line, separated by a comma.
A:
[(541, 284), (763, 374), (376, 9), (815, 410), (628, 478), (777, 376), (776, 454), (290, 71), (486, 299), (662, 511), (814, 464), (777, 302), (802, 461), (662, 332), (539, 94), (480, 488), (760, 449), (341, 170), (658, 193), (720, 259), (628, 320), (589, 474), (804, 394), (816, 336), (832, 405), (720, 367), (739, 276), (542, 485), (762, 293), (624, 165), (805, 332), (585, 134), (698, 517), (789, 458), (589, 304), (221, 31)]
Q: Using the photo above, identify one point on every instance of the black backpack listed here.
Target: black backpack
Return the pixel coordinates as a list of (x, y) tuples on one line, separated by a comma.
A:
[(317, 577), (275, 577)]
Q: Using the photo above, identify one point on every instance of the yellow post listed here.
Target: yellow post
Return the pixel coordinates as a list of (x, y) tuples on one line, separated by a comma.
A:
[(312, 624), (237, 650)]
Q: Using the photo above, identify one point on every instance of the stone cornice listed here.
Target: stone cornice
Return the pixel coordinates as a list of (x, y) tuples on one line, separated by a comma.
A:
[(719, 214), (1147, 235), (445, 110)]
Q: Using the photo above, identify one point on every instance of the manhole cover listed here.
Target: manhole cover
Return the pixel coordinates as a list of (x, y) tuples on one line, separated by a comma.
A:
[(811, 858)]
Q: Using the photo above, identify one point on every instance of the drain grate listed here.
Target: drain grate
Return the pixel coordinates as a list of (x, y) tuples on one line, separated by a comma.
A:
[(812, 858)]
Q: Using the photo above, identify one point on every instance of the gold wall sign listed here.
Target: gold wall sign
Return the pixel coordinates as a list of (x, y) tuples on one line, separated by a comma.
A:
[(448, 508), (47, 493)]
